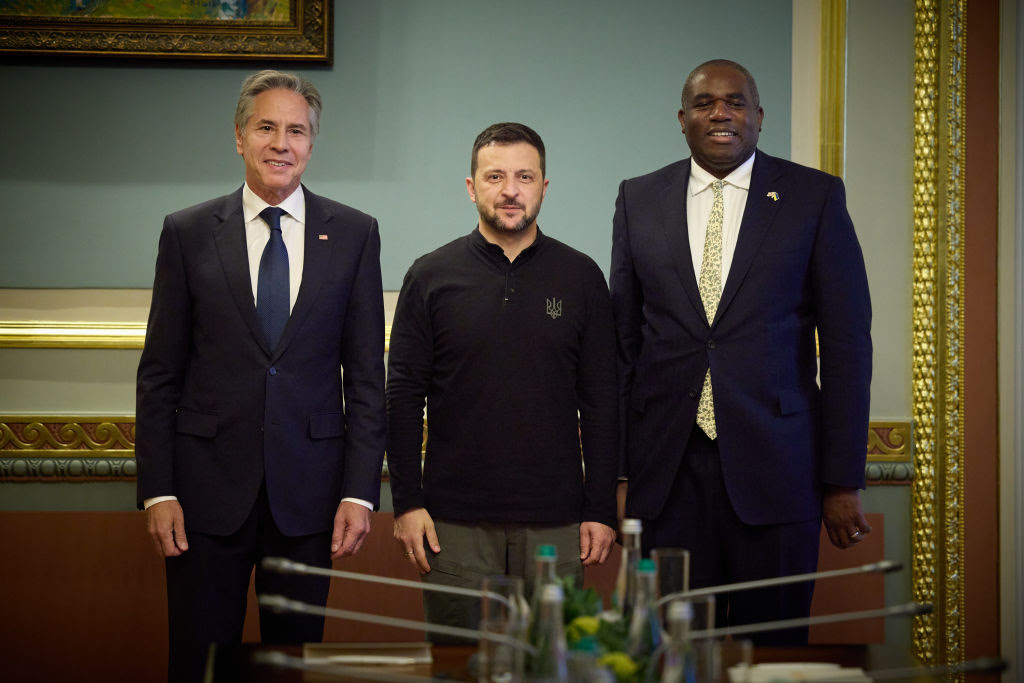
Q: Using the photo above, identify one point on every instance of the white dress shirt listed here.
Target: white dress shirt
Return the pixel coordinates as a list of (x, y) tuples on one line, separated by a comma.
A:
[(698, 208)]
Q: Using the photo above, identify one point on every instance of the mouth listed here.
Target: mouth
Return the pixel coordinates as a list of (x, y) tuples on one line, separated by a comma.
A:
[(511, 207), (277, 164), (722, 134)]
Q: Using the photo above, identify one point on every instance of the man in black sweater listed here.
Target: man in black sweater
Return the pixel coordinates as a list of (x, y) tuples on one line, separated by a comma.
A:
[(507, 335)]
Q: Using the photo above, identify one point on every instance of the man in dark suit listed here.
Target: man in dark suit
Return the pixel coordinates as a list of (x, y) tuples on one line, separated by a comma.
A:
[(260, 407), (723, 267)]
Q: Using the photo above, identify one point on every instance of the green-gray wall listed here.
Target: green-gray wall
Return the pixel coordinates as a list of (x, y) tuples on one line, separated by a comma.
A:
[(99, 151)]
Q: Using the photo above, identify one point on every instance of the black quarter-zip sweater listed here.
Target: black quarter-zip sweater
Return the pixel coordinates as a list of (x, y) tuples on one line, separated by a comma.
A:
[(504, 354)]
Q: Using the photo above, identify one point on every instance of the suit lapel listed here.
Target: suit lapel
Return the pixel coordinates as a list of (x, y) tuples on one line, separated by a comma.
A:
[(229, 236), (758, 215), (675, 232), (316, 258)]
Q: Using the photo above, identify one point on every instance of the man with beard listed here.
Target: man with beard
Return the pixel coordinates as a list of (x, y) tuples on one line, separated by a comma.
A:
[(507, 335)]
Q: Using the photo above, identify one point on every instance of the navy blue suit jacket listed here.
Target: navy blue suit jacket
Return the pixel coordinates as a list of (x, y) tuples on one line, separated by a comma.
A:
[(797, 267), (218, 411)]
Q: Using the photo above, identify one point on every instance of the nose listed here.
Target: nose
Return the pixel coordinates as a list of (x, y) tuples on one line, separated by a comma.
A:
[(719, 110), (279, 140), (509, 188)]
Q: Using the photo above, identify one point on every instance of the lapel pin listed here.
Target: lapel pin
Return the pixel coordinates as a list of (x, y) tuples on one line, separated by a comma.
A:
[(323, 237), (774, 196)]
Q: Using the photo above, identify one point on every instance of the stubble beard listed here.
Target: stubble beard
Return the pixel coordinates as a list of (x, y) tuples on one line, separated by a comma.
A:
[(495, 223)]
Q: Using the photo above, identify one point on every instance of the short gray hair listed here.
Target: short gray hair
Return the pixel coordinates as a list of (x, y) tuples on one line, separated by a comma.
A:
[(270, 80)]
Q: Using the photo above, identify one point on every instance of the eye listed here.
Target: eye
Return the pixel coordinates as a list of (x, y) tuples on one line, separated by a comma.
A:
[(526, 177)]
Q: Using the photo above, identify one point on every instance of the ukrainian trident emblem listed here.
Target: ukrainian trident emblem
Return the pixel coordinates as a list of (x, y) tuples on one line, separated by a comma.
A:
[(554, 308)]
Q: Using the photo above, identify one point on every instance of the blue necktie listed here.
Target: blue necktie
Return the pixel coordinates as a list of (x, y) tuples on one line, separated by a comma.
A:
[(272, 296)]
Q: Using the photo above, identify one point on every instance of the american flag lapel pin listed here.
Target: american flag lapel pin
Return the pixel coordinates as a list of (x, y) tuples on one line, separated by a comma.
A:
[(774, 196), (323, 237)]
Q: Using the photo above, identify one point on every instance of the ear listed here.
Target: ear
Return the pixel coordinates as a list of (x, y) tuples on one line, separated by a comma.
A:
[(760, 118), (682, 120), (471, 189), (238, 139), (544, 192)]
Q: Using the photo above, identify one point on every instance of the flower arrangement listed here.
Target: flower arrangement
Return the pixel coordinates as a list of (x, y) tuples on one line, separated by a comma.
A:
[(604, 633)]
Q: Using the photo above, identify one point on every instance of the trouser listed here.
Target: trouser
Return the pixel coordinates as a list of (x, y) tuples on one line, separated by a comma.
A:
[(723, 549), (469, 552), (207, 587)]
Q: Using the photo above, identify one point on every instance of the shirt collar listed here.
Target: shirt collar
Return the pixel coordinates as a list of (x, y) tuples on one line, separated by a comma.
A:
[(294, 204), (700, 179)]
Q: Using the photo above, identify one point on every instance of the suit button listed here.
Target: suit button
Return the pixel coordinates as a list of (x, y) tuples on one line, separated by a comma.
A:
[(273, 371), (711, 343)]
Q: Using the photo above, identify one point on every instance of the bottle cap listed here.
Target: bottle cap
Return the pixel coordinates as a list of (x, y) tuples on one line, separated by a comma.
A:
[(632, 526), (646, 566), (547, 550)]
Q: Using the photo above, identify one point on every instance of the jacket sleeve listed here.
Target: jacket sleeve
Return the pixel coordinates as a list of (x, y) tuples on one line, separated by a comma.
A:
[(362, 361), (843, 306), (162, 370), (627, 307)]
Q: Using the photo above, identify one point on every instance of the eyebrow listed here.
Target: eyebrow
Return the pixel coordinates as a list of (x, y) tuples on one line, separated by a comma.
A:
[(732, 95), (274, 123)]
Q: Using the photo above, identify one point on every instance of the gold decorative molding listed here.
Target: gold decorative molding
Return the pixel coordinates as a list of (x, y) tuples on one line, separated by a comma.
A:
[(832, 156), (71, 335), (889, 442), (938, 287), (22, 334), (70, 448)]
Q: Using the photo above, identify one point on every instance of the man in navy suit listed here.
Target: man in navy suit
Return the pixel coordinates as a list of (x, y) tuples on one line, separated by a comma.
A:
[(737, 445), (260, 431)]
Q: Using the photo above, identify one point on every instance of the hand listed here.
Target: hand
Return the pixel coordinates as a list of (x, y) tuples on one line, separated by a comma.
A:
[(351, 526), (596, 541), (843, 518), (410, 528), (166, 523)]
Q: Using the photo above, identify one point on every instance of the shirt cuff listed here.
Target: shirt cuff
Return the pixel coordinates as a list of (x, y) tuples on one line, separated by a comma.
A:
[(149, 502), (365, 503)]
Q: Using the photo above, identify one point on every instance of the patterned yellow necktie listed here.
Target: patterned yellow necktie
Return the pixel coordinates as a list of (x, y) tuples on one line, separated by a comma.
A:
[(710, 287)]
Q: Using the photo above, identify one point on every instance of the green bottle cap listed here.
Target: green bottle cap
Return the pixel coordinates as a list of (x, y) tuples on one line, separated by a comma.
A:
[(646, 566), (547, 550)]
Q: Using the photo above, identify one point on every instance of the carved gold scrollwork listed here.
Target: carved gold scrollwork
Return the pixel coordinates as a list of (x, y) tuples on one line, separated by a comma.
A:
[(937, 499)]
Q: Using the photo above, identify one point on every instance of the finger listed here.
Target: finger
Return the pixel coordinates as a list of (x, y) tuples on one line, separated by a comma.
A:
[(420, 557), (180, 540), (586, 544), (606, 549), (431, 533)]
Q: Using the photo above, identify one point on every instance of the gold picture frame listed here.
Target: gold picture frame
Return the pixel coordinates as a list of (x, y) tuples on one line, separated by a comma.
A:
[(307, 34)]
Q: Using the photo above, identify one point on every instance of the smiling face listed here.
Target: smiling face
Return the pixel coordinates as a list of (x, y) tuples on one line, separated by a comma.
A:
[(276, 144), (721, 119), (508, 188)]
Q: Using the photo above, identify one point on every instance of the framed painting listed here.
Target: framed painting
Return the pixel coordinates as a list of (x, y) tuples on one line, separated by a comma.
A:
[(299, 30)]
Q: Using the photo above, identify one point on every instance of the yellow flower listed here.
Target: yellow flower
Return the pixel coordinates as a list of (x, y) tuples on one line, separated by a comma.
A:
[(621, 664), (581, 626)]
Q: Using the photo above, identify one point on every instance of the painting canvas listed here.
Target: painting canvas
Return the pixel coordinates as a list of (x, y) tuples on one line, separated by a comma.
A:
[(192, 29), (223, 10)]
